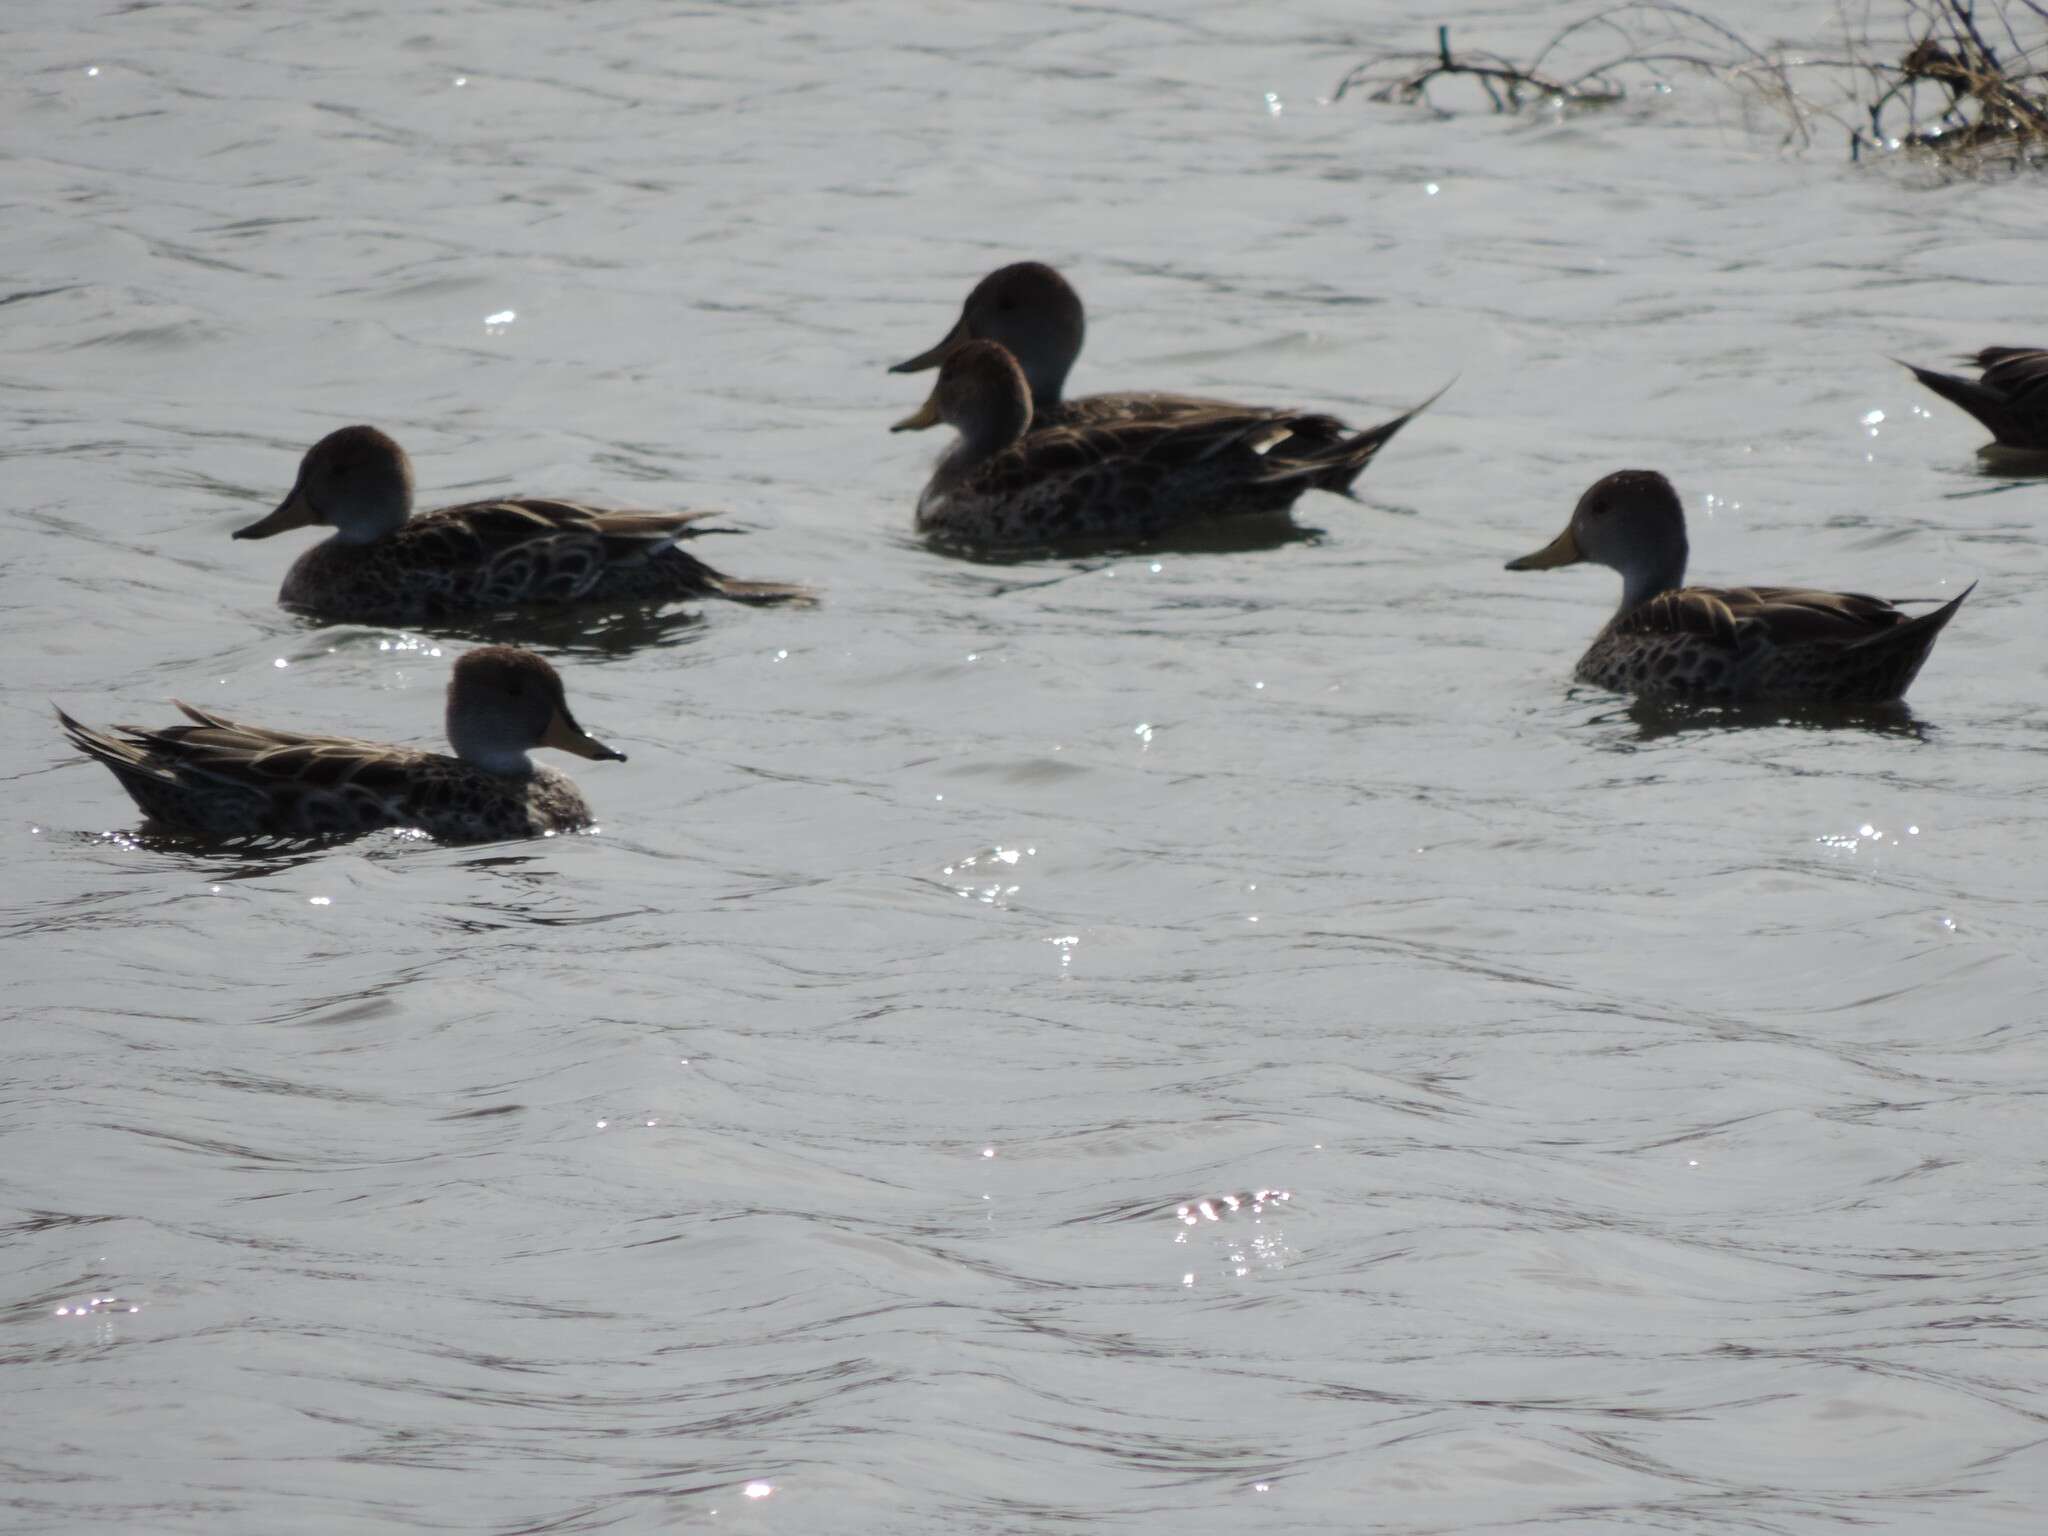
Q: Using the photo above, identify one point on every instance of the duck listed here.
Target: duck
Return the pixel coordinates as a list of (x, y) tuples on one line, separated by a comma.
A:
[(1035, 312), (1726, 645), (384, 564), (1006, 488), (221, 778), (2009, 395)]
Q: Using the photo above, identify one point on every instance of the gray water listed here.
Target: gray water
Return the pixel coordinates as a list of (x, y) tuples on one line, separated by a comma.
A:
[(1648, 1112)]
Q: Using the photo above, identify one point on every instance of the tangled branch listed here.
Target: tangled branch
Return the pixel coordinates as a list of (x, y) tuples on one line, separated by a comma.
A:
[(1504, 82), (1943, 87)]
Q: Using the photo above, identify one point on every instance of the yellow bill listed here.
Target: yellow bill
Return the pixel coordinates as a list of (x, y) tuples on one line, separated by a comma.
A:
[(565, 735), (1562, 550), (926, 415), (293, 512), (936, 355)]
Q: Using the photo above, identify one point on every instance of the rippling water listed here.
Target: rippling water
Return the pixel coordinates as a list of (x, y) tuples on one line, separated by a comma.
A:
[(1648, 1115)]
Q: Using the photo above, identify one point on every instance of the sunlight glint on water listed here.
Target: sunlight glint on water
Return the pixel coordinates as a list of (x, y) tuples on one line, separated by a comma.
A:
[(1083, 1044)]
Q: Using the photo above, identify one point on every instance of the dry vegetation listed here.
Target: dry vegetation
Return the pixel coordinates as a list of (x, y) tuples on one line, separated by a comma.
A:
[(1964, 81)]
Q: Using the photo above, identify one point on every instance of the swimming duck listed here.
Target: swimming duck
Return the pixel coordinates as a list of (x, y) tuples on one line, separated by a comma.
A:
[(383, 565), (2009, 395), (1726, 644), (224, 779), (1005, 487), (1037, 315)]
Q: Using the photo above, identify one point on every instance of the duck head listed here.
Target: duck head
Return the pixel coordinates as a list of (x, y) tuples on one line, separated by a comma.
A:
[(356, 481), (503, 702), (1630, 521), (1031, 310), (981, 394)]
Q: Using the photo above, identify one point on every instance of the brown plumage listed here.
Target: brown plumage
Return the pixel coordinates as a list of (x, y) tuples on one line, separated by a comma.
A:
[(1788, 643), (1726, 644), (223, 778), (1037, 316), (1004, 486), (385, 565), (2009, 396)]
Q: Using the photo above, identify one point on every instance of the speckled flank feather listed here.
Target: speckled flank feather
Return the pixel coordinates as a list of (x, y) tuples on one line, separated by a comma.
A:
[(1127, 483), (2010, 395), (492, 555), (1724, 645), (225, 779)]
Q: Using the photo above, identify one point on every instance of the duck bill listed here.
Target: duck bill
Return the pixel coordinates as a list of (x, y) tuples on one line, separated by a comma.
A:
[(1562, 550), (293, 512), (565, 735), (926, 415), (938, 354)]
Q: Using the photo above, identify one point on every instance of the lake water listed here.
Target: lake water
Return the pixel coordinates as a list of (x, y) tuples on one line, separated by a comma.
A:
[(1649, 1112)]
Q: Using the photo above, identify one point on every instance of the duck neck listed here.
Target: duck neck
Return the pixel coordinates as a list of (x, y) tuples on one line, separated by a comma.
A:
[(1645, 581), (995, 428), (371, 515), (1047, 381), (482, 750)]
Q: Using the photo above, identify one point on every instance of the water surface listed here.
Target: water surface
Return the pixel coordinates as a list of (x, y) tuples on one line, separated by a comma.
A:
[(1657, 1104)]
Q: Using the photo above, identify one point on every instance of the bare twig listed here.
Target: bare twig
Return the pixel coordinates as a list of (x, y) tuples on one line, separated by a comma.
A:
[(1990, 101), (1502, 81)]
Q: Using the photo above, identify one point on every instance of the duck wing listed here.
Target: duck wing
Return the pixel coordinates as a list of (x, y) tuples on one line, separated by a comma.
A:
[(1137, 405), (526, 549), (2013, 367), (280, 765), (1130, 465), (2020, 376), (1780, 616), (2010, 395)]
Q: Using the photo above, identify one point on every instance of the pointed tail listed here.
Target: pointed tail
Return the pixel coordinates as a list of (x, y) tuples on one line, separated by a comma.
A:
[(141, 771), (1919, 631), (93, 742), (681, 574), (1334, 466), (1892, 658), (763, 593), (1987, 405)]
